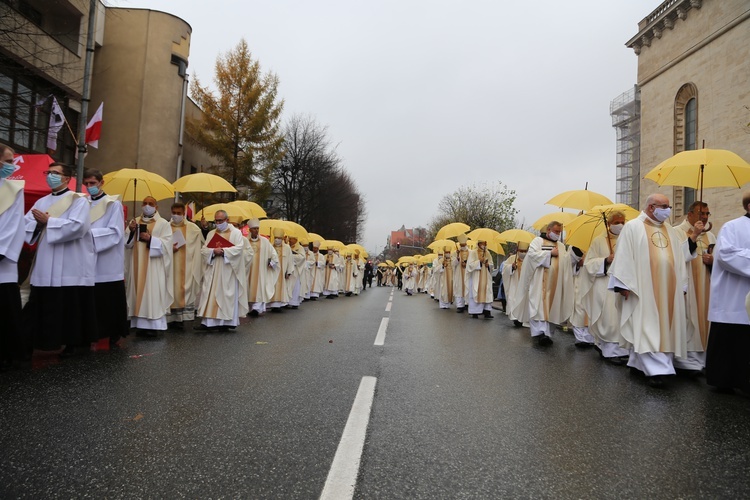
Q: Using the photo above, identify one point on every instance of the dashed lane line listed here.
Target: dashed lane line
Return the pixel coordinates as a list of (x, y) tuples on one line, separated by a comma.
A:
[(388, 307), (380, 337), (342, 477)]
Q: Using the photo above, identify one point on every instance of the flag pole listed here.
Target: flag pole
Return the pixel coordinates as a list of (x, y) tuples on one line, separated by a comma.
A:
[(81, 142)]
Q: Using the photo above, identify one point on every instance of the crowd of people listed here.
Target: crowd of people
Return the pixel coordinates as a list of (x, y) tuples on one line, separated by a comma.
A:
[(96, 277), (658, 298)]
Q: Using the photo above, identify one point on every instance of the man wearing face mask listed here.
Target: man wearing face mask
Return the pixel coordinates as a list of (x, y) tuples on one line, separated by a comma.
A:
[(297, 284), (62, 276), (316, 264), (223, 297), (649, 272), (264, 270), (148, 259), (108, 233), (479, 268), (280, 296), (445, 276), (187, 267), (12, 232), (460, 279), (547, 276), (599, 302), (515, 297), (698, 291)]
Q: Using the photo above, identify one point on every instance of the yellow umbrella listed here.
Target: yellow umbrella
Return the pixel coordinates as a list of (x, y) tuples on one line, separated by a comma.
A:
[(356, 246), (427, 259), (134, 184), (440, 244), (580, 199), (517, 235), (561, 217), (587, 226), (390, 262), (298, 232), (492, 237), (406, 259), (268, 225), (252, 210), (382, 264), (702, 168), (202, 183), (232, 211), (332, 244), (452, 230), (315, 237)]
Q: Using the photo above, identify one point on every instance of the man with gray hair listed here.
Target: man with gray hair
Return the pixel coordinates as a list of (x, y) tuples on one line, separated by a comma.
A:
[(649, 273), (547, 274), (227, 256), (263, 272)]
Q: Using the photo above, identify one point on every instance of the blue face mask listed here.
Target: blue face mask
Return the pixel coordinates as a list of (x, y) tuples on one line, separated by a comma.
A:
[(54, 181), (7, 170), (93, 190)]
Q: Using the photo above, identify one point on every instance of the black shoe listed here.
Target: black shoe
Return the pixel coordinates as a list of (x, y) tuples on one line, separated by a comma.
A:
[(617, 361), (329, 296), (150, 333), (723, 390), (545, 340), (200, 327), (517, 323), (657, 381), (488, 315), (275, 309), (253, 313), (688, 373), (475, 316), (582, 345)]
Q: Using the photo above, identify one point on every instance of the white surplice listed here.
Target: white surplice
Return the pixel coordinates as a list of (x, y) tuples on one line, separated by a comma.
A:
[(108, 233), (12, 230)]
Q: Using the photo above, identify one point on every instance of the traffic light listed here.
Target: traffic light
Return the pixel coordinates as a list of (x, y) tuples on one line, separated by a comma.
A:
[(398, 245)]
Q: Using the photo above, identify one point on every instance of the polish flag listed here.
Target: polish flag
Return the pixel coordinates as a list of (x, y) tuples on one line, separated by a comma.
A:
[(190, 210), (94, 128)]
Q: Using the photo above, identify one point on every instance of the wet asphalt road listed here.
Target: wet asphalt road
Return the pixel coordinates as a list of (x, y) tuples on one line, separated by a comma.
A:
[(463, 408)]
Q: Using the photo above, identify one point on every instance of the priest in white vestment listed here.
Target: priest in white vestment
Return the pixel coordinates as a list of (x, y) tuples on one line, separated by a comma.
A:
[(445, 272), (479, 267), (263, 272), (600, 303), (579, 318), (649, 272), (331, 281), (280, 297), (63, 273), (514, 296), (699, 289), (460, 279), (298, 284), (223, 298), (409, 279), (437, 264), (547, 276), (108, 233), (187, 267), (12, 233), (359, 268), (316, 268), (148, 262), (351, 275), (727, 366)]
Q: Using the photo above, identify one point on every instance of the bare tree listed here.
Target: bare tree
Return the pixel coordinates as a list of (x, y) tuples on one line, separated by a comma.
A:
[(488, 205), (314, 188)]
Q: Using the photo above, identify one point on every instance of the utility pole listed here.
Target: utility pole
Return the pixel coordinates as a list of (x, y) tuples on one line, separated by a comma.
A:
[(86, 93)]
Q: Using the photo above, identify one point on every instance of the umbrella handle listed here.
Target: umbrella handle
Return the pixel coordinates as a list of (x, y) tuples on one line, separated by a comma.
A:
[(708, 227)]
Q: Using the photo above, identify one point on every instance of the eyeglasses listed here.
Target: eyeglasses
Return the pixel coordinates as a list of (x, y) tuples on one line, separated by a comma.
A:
[(47, 172), (707, 214)]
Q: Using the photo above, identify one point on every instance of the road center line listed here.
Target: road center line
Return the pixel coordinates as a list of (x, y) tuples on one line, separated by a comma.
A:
[(342, 477), (380, 337), (388, 307)]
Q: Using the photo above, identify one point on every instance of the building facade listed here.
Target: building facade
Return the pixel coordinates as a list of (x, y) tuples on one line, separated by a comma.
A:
[(693, 73)]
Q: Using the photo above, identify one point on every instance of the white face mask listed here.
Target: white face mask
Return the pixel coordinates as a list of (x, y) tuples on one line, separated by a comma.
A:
[(277, 242), (616, 228), (223, 226), (553, 236), (662, 214), (148, 210), (177, 219), (521, 255)]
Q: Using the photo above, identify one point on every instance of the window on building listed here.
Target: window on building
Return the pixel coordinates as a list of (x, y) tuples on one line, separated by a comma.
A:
[(685, 138)]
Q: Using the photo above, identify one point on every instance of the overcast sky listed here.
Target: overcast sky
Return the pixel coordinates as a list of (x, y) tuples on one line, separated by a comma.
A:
[(425, 96)]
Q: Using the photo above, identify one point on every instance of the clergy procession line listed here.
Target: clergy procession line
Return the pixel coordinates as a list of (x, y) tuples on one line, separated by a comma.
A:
[(657, 298), (94, 278)]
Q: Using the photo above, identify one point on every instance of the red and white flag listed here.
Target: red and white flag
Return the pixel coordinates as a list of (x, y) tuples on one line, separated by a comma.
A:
[(94, 128), (190, 210)]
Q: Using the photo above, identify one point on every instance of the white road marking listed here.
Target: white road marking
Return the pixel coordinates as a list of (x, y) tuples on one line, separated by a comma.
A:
[(380, 337), (342, 477), (388, 307)]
